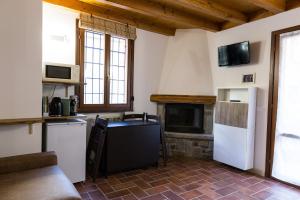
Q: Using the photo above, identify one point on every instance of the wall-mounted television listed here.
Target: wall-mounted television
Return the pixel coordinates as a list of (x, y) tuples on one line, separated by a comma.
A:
[(234, 54)]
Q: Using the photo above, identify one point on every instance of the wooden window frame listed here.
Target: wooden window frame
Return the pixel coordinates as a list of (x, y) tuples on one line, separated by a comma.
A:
[(273, 98), (106, 107)]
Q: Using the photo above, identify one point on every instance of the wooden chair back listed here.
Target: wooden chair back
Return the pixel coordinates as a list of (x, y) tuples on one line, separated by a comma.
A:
[(154, 118), (134, 117), (95, 147)]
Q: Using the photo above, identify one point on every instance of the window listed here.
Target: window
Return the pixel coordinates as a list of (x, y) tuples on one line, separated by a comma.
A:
[(106, 72), (118, 71)]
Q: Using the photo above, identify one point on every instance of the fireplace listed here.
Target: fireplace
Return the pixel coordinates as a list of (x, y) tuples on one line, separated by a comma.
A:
[(184, 118), (188, 124)]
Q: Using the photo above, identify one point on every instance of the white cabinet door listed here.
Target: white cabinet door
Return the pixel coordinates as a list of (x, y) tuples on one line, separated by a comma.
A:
[(68, 140), (230, 146)]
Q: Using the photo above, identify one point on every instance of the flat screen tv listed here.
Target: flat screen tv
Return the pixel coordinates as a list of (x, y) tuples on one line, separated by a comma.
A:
[(234, 54)]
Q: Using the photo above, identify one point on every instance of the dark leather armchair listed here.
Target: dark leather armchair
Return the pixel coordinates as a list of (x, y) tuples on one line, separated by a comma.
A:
[(34, 177)]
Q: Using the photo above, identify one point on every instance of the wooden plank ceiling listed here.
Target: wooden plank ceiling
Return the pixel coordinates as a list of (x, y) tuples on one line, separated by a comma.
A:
[(165, 16)]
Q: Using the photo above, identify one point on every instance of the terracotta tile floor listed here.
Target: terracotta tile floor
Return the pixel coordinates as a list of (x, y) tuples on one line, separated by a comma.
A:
[(186, 179)]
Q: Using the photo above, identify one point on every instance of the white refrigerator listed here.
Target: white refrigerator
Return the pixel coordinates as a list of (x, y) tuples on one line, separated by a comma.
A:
[(68, 140)]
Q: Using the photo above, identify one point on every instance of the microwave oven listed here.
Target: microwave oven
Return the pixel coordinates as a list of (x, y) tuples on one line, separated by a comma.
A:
[(61, 73)]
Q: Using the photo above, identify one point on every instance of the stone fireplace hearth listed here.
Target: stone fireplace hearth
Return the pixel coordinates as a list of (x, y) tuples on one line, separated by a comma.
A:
[(196, 144)]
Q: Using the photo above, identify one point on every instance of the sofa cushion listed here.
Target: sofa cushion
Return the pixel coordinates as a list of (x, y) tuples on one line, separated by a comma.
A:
[(48, 183), (26, 162)]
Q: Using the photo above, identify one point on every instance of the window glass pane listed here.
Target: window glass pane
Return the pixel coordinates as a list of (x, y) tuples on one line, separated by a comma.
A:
[(115, 44), (97, 41), (121, 87), (102, 71), (101, 86), (96, 56), (111, 86), (88, 85), (118, 71), (96, 86), (121, 99), (122, 73), (89, 55), (96, 71), (89, 39), (114, 99), (102, 57), (122, 46), (88, 99), (121, 59), (96, 98), (114, 58), (101, 99), (102, 45), (114, 73), (115, 87), (93, 70), (88, 70)]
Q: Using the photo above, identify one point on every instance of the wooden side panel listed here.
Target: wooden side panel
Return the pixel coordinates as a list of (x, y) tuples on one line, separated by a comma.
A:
[(232, 114)]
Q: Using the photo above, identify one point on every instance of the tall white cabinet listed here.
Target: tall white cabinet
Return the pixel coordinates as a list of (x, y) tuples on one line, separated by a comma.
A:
[(234, 127)]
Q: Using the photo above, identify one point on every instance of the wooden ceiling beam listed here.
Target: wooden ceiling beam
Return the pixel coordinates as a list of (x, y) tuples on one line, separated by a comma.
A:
[(291, 4), (274, 6), (260, 15), (252, 17), (163, 12), (228, 25), (117, 15), (211, 8)]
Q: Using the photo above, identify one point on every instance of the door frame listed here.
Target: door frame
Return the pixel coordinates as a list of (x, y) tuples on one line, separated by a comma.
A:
[(273, 97)]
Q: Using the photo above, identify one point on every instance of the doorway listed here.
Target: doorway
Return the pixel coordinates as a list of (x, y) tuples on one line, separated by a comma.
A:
[(283, 142)]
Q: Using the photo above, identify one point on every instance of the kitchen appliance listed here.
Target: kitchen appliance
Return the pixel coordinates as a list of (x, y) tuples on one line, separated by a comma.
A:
[(45, 105), (68, 140), (55, 107), (73, 105), (65, 107), (61, 73)]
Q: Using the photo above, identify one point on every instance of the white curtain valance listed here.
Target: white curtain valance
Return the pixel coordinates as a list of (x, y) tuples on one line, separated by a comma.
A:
[(90, 22)]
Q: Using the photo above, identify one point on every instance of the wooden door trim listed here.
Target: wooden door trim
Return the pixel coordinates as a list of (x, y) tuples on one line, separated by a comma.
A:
[(273, 96)]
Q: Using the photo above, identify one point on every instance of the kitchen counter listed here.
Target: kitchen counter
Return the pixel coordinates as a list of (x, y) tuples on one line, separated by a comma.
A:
[(78, 116)]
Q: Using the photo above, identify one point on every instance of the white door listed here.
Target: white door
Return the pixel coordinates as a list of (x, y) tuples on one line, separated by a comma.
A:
[(68, 140), (286, 159)]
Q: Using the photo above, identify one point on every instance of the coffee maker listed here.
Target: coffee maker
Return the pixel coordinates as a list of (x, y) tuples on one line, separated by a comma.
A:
[(55, 107)]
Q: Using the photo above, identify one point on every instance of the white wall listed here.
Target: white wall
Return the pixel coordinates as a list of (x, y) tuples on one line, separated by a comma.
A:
[(259, 35), (59, 42), (20, 73), (20, 58), (149, 55), (186, 68), (59, 34)]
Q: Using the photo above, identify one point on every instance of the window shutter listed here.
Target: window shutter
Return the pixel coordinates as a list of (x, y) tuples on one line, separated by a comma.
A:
[(90, 22)]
